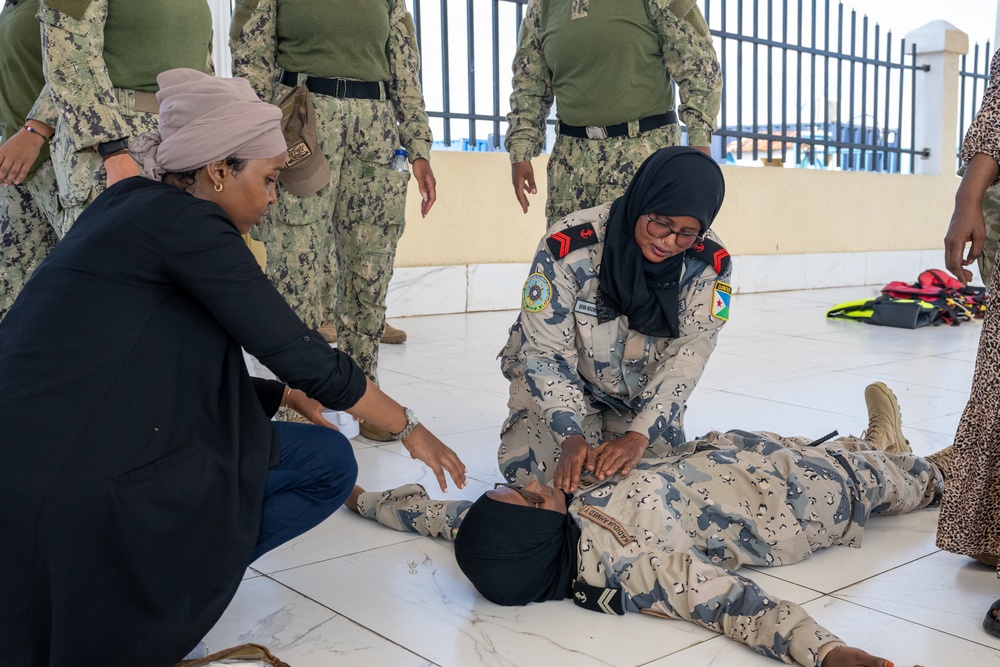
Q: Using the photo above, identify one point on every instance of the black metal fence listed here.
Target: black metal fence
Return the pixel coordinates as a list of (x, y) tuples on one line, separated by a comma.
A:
[(806, 82), (973, 77), (813, 86), (465, 96)]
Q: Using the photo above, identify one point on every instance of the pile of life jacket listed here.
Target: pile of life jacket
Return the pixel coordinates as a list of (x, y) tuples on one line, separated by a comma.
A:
[(936, 298)]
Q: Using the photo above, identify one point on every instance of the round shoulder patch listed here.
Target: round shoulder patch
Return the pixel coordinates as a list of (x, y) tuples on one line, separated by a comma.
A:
[(537, 293)]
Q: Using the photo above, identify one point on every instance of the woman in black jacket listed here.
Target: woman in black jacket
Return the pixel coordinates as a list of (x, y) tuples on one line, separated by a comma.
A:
[(141, 472)]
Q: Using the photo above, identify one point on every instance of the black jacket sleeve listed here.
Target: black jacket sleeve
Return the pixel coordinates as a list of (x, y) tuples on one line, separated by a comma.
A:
[(204, 253), (269, 393)]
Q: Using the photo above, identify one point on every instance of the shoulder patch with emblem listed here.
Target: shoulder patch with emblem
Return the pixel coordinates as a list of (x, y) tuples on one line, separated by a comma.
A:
[(537, 293), (570, 239), (712, 254), (721, 298)]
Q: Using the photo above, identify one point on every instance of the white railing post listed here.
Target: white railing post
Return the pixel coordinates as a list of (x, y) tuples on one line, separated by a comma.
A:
[(939, 45), (222, 13)]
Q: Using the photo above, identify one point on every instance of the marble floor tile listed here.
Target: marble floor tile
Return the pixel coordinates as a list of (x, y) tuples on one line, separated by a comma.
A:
[(414, 593), (944, 591), (300, 631)]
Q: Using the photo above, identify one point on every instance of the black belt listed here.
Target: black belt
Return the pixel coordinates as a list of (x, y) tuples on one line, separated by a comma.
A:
[(620, 130), (340, 88)]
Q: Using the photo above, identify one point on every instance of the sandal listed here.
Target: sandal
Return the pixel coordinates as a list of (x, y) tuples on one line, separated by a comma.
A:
[(991, 624)]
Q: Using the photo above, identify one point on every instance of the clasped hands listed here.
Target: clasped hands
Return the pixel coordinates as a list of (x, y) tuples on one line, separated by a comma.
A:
[(608, 458)]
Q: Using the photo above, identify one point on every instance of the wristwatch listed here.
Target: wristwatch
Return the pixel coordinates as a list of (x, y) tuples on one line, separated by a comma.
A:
[(411, 423), (109, 148)]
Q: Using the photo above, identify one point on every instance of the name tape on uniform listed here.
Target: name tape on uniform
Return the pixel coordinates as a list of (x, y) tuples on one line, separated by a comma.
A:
[(721, 299), (614, 526), (586, 307)]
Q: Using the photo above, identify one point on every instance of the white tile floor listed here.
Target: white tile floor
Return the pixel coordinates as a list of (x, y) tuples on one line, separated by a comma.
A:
[(351, 592)]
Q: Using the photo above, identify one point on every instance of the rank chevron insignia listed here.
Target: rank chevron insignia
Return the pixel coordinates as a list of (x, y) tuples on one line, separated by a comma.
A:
[(598, 598), (570, 239), (604, 602)]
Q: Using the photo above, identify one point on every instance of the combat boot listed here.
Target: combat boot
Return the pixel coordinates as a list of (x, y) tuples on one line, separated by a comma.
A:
[(375, 433), (942, 459), (392, 335), (885, 428)]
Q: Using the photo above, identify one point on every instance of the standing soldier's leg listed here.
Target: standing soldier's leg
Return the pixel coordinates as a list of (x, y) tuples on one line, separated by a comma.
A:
[(369, 220), (991, 213), (574, 169), (26, 232), (300, 233), (588, 172), (622, 157)]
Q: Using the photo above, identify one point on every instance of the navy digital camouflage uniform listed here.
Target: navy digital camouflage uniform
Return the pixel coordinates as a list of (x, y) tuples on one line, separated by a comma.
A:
[(573, 373), (587, 172), (668, 538), (91, 110), (29, 211), (331, 255)]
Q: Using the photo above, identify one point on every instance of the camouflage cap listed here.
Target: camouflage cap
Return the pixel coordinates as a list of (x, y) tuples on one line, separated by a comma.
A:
[(306, 170)]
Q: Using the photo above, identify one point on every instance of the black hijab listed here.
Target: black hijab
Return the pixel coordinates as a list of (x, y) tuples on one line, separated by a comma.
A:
[(515, 554), (672, 181)]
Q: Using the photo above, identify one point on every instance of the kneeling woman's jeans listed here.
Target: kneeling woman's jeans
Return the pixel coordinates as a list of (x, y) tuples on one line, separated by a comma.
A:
[(314, 477)]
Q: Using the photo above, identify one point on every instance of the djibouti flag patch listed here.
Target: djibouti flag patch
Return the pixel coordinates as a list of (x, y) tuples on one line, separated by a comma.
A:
[(720, 301)]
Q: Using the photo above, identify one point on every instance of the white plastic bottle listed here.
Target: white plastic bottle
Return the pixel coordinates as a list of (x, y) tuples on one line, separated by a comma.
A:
[(399, 161)]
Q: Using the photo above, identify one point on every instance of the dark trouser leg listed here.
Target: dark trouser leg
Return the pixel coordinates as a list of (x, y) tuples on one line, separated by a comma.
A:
[(316, 474)]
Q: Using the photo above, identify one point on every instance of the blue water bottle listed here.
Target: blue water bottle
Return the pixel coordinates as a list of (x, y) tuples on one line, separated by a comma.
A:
[(399, 161)]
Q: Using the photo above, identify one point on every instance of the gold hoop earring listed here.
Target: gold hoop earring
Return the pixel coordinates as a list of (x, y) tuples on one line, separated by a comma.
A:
[(218, 187)]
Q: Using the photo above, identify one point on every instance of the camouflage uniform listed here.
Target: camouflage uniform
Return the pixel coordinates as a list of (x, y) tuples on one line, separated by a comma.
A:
[(29, 211), (331, 255), (570, 373), (586, 172), (991, 214), (91, 110), (668, 538)]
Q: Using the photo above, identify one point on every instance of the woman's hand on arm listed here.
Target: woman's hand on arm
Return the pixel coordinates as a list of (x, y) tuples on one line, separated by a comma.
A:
[(577, 455), (376, 407), (20, 151), (620, 454), (309, 408), (120, 167), (967, 223)]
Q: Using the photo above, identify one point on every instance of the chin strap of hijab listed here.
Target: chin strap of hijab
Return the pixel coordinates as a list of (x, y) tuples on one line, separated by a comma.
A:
[(514, 554), (676, 181)]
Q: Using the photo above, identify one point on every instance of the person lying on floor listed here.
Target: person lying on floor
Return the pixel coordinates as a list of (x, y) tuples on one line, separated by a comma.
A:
[(667, 538)]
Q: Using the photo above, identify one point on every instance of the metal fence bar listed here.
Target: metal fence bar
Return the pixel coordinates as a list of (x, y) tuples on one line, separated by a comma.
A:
[(852, 131)]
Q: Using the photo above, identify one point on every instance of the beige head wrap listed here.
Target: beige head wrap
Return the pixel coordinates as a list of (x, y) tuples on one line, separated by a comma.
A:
[(204, 119)]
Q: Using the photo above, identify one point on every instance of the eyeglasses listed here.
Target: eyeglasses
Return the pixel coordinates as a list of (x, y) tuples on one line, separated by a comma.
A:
[(659, 229), (532, 497)]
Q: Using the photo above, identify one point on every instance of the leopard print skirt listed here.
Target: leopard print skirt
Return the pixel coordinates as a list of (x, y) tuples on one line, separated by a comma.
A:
[(970, 510)]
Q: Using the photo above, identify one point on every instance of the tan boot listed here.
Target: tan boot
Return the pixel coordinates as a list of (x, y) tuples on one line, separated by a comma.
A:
[(885, 428), (988, 559), (942, 459), (375, 433), (329, 331), (392, 335)]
